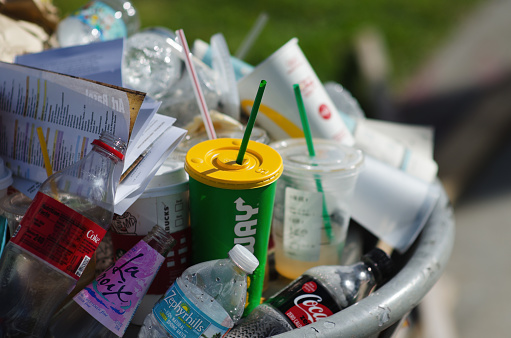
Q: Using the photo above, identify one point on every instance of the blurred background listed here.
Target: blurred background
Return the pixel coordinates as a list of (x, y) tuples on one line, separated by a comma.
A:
[(431, 62), (326, 29)]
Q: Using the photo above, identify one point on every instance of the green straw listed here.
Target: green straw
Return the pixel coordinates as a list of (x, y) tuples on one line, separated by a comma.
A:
[(312, 153), (250, 123)]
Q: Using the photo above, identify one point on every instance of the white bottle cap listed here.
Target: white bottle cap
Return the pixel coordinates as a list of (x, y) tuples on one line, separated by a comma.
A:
[(243, 258)]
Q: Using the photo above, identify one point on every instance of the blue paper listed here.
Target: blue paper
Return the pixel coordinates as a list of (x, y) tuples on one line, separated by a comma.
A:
[(100, 61)]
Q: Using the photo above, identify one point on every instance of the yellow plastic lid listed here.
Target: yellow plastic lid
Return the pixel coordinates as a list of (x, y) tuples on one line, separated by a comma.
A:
[(213, 162)]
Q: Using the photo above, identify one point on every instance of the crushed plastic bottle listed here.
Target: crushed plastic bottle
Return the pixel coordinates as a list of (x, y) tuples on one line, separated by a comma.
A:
[(150, 64), (98, 21)]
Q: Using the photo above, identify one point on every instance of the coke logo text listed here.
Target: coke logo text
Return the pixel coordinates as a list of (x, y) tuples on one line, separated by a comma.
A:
[(93, 237), (311, 305)]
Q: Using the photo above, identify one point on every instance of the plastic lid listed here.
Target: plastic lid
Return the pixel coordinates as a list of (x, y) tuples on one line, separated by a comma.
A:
[(213, 163), (332, 158), (383, 266), (243, 258)]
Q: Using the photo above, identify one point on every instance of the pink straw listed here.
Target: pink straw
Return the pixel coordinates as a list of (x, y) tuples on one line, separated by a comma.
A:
[(196, 87)]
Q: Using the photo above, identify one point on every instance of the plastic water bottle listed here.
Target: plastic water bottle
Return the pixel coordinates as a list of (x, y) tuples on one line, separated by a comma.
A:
[(318, 293), (150, 64), (98, 21), (206, 300), (105, 307), (56, 239)]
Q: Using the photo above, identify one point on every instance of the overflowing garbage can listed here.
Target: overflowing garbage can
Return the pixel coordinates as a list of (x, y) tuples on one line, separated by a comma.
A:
[(206, 195)]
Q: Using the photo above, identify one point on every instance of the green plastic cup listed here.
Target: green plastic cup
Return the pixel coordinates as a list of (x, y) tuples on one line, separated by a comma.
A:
[(231, 203)]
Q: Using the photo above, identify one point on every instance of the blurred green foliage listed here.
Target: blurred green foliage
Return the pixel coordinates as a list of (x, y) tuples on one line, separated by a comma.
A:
[(325, 28)]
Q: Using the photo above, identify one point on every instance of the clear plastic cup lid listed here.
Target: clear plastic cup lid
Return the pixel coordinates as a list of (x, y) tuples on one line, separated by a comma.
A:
[(332, 158)]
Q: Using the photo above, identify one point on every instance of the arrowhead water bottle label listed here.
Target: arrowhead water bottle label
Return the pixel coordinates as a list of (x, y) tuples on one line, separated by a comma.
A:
[(58, 235), (115, 294), (302, 224), (304, 301), (181, 318)]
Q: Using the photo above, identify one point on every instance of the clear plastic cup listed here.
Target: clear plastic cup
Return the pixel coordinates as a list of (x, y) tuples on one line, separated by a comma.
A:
[(313, 204)]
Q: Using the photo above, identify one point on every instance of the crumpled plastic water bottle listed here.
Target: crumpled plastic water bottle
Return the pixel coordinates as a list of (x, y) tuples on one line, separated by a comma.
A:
[(98, 21)]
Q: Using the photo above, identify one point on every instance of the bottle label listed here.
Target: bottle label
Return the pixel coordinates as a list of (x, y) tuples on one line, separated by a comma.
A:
[(304, 301), (59, 235), (302, 224), (177, 260), (115, 294), (181, 318), (98, 15)]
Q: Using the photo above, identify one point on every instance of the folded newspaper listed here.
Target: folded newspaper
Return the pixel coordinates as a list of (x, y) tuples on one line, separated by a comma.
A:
[(74, 109)]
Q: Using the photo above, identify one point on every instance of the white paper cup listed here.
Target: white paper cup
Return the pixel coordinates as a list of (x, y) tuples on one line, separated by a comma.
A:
[(278, 112), (166, 190)]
